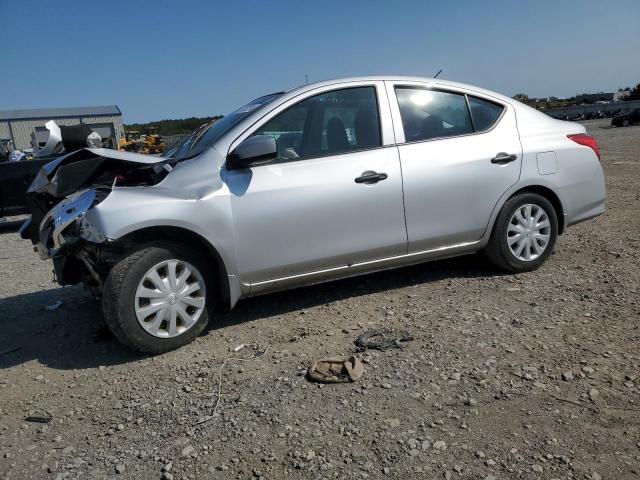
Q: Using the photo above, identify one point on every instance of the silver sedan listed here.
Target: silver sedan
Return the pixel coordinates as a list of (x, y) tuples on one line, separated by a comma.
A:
[(320, 182)]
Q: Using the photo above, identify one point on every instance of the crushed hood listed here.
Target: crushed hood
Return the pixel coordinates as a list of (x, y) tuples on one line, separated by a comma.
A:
[(68, 173)]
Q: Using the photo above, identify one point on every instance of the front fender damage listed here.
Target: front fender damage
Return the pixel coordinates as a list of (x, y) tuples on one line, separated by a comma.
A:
[(63, 194)]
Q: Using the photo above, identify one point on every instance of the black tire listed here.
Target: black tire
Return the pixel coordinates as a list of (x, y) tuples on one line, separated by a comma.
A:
[(118, 297), (498, 251), (625, 123)]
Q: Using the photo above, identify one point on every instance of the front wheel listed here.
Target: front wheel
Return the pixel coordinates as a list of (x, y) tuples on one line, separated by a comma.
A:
[(524, 233), (156, 298)]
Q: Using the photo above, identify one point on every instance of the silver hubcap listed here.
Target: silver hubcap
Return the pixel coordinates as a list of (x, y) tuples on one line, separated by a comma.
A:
[(528, 232), (170, 298)]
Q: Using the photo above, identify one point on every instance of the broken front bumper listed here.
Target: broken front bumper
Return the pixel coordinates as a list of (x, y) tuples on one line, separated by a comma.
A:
[(65, 225)]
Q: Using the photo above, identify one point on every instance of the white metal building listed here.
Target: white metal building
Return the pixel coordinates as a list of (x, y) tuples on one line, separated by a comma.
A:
[(18, 125)]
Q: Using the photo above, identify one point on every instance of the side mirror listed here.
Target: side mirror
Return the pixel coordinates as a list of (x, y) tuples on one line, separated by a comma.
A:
[(253, 151)]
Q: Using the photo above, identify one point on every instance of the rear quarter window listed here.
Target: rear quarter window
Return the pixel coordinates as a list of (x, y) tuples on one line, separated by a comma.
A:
[(484, 113)]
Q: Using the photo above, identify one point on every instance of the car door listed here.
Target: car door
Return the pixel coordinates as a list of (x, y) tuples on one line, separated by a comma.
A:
[(332, 198), (459, 154)]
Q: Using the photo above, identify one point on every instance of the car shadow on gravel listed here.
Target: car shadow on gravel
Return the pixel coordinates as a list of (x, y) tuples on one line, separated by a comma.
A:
[(10, 226), (63, 329), (60, 328), (274, 304)]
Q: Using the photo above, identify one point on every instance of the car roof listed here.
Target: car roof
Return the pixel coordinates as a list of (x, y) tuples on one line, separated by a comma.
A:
[(435, 82)]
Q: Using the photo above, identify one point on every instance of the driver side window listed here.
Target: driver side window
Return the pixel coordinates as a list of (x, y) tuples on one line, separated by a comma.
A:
[(330, 123)]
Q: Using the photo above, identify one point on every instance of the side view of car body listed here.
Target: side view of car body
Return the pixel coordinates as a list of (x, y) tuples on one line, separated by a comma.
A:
[(626, 119), (320, 182)]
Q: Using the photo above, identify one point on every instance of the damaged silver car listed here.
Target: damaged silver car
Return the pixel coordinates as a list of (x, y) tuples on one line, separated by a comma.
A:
[(321, 182)]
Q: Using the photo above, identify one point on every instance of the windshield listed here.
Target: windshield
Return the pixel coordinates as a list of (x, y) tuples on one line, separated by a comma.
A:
[(209, 133)]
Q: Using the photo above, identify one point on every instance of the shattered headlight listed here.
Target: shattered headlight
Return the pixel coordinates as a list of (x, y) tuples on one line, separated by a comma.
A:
[(90, 232), (64, 222)]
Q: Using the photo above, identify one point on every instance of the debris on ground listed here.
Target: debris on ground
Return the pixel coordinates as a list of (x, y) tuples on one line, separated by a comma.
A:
[(37, 419), (335, 370), (382, 339), (258, 353), (54, 306)]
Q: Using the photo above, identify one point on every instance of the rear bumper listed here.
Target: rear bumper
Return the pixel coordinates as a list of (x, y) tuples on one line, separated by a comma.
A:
[(592, 212), (585, 200)]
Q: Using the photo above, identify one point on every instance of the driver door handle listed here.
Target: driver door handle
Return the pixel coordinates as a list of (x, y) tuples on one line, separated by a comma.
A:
[(502, 158), (370, 177)]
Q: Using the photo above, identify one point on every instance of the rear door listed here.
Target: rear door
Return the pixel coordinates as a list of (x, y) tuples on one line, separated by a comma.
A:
[(334, 195), (459, 154)]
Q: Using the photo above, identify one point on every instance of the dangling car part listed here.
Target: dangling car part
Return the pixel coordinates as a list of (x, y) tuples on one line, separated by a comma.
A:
[(66, 138), (53, 145)]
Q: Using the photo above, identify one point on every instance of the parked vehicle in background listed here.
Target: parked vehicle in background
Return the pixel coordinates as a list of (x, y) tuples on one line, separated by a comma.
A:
[(324, 181), (16, 176), (627, 118)]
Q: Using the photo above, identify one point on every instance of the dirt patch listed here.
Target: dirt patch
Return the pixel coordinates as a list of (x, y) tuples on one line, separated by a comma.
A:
[(511, 376)]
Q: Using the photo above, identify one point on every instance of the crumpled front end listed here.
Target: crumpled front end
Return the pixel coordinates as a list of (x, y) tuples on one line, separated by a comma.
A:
[(65, 236), (62, 194), (65, 224)]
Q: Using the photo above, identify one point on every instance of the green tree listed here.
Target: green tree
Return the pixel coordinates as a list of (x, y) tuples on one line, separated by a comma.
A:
[(521, 97), (172, 127), (634, 94)]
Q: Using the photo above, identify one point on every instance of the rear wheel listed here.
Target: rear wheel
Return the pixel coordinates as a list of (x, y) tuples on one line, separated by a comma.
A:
[(524, 233), (156, 298)]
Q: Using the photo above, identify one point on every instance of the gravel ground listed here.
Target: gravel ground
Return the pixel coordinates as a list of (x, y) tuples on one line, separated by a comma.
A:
[(509, 376)]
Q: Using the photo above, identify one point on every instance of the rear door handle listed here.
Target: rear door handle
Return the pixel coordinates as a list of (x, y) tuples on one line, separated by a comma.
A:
[(370, 177), (503, 158)]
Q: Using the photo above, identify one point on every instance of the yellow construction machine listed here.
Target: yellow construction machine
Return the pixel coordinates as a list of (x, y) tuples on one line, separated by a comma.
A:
[(130, 142), (153, 143), (150, 142)]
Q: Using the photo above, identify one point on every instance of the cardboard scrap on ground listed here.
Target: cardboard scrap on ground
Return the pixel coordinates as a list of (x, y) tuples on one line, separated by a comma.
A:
[(335, 370)]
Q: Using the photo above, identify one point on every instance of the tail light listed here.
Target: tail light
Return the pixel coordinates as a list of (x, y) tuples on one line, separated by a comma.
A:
[(587, 141)]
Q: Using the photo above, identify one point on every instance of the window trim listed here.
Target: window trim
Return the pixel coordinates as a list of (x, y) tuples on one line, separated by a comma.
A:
[(379, 91), (397, 117), (497, 120), (473, 122)]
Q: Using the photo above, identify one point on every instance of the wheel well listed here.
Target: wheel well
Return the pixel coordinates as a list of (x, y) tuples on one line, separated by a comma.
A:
[(187, 237), (549, 195)]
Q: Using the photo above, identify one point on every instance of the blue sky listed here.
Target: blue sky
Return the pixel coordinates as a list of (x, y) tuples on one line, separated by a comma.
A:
[(171, 59)]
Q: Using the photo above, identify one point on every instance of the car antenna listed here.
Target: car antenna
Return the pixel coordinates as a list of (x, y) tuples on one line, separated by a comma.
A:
[(306, 79), (439, 72)]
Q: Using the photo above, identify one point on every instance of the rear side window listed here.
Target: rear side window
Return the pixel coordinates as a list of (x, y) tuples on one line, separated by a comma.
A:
[(430, 114), (484, 113)]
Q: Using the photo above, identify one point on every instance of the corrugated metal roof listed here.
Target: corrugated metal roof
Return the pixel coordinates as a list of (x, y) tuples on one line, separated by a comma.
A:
[(48, 113)]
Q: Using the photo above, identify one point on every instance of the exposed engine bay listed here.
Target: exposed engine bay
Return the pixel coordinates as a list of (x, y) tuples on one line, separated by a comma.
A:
[(62, 193)]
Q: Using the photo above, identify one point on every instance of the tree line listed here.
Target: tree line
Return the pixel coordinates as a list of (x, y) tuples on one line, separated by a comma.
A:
[(171, 126)]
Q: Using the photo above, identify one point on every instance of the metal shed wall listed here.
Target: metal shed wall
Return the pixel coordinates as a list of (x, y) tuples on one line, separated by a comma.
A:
[(18, 125), (20, 130), (116, 120), (5, 131)]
